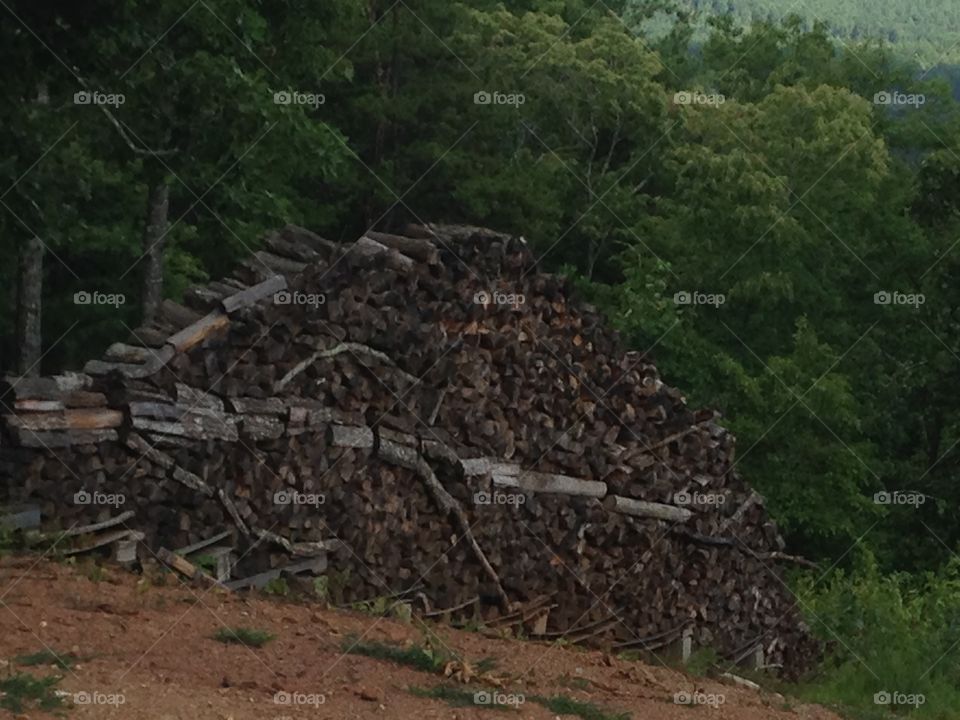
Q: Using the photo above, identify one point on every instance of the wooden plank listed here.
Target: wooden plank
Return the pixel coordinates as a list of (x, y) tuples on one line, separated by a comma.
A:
[(191, 481), (38, 405), (159, 411), (185, 567), (416, 248), (551, 483), (257, 406), (157, 360), (252, 295), (196, 399), (61, 439), (109, 538), (95, 527), (125, 551), (138, 444), (197, 332), (316, 565), (84, 399), (78, 419), (20, 517), (368, 247), (213, 539), (351, 437), (232, 511), (642, 508), (261, 427)]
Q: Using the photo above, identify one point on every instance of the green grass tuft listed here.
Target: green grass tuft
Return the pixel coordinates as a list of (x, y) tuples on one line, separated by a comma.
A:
[(413, 656), (562, 705), (21, 692), (64, 661), (243, 636), (458, 697)]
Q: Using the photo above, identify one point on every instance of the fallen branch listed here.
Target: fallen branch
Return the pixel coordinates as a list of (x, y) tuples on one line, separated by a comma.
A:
[(350, 347)]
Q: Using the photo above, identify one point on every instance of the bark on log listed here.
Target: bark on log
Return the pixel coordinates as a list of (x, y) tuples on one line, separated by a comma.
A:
[(246, 298), (199, 331), (640, 508)]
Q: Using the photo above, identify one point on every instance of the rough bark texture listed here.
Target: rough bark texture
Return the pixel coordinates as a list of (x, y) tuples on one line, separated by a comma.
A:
[(154, 241), (30, 307)]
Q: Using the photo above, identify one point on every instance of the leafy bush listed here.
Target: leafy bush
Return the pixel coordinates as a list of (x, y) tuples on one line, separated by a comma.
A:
[(895, 636)]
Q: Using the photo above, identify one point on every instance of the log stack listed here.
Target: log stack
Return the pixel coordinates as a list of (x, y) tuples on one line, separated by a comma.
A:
[(449, 417)]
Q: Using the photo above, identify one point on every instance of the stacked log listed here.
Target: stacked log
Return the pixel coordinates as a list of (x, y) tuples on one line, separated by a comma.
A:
[(463, 429)]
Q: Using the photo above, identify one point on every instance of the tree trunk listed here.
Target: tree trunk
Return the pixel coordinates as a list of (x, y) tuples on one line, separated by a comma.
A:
[(154, 240), (29, 307)]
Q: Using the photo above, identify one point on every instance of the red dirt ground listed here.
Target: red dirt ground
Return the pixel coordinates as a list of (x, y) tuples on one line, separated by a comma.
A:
[(152, 644)]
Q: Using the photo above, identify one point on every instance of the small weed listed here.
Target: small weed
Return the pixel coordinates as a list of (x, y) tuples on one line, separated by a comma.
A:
[(702, 662), (21, 692), (64, 661), (243, 636), (562, 705), (95, 573), (377, 607), (277, 586), (207, 563), (413, 656), (558, 704), (321, 588), (455, 697)]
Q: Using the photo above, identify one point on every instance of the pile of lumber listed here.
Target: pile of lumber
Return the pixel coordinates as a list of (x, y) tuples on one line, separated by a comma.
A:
[(445, 418)]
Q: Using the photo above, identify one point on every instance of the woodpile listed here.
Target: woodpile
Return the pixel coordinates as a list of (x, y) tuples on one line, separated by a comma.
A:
[(442, 419)]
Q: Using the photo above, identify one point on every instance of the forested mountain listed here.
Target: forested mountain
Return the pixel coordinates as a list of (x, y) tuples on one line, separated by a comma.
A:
[(925, 31)]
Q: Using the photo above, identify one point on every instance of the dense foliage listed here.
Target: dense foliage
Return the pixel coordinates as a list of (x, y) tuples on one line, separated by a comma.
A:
[(926, 31), (813, 187)]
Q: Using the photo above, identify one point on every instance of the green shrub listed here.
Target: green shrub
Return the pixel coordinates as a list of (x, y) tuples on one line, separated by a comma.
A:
[(888, 634), (21, 691)]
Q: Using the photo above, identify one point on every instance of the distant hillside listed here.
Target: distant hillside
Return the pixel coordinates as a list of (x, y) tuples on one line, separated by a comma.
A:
[(929, 30)]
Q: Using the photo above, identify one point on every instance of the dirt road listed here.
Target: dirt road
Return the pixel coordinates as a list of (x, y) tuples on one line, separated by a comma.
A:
[(146, 652)]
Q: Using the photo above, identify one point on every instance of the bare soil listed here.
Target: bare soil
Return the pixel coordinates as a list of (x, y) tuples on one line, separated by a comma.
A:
[(149, 639)]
